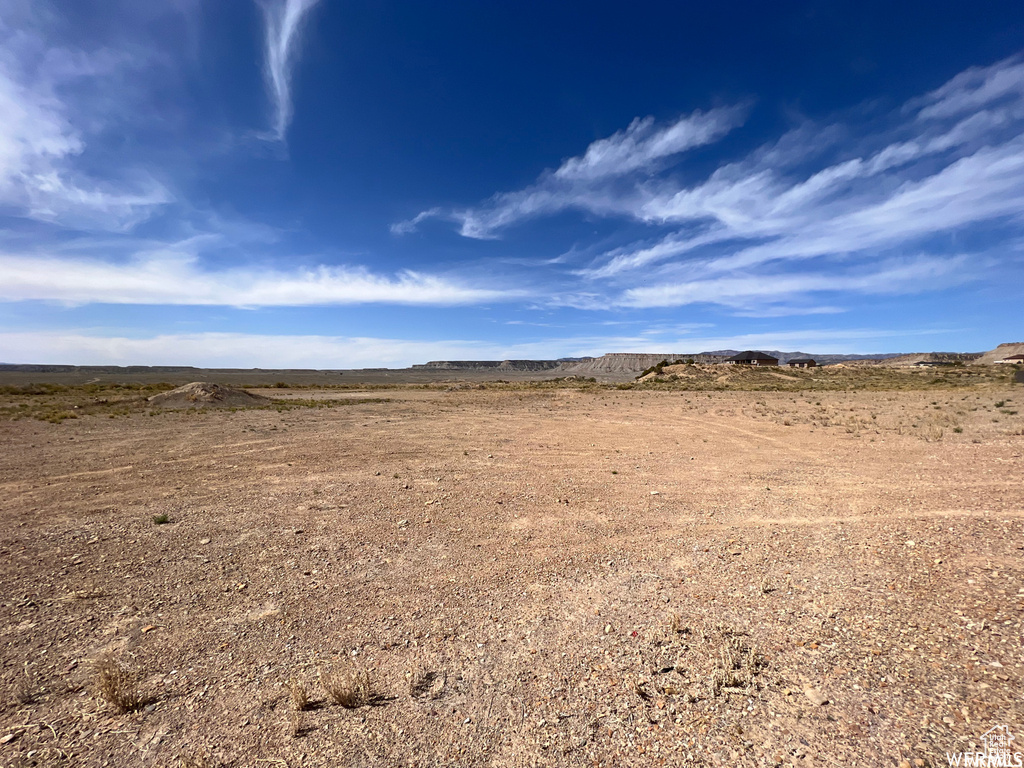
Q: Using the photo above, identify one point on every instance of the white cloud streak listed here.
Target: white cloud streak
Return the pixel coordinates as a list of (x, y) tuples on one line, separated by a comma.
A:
[(283, 21), (170, 277), (588, 181), (242, 350), (826, 208), (642, 145), (962, 165), (752, 291)]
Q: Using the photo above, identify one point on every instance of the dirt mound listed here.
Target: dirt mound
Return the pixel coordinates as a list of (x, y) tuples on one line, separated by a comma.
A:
[(202, 394)]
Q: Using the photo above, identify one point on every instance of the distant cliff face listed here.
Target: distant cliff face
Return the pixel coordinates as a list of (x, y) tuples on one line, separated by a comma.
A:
[(1001, 352), (490, 365), (629, 362), (612, 363)]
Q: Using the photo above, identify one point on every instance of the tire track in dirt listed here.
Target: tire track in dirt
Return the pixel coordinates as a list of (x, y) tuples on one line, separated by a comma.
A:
[(866, 519), (815, 455)]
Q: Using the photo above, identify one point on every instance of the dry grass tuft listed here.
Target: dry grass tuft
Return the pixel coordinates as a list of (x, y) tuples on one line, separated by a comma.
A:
[(349, 688), (297, 724), (118, 685), (426, 684), (639, 689), (25, 687), (299, 695), (736, 666), (676, 625)]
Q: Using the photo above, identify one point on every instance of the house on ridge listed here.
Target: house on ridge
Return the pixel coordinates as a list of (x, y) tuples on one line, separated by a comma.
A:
[(752, 358), (801, 362), (1012, 359)]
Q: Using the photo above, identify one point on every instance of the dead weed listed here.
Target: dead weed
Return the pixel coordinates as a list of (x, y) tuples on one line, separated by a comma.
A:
[(118, 685), (349, 688)]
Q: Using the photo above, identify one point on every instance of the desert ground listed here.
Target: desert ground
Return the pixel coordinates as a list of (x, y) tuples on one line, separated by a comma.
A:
[(514, 575)]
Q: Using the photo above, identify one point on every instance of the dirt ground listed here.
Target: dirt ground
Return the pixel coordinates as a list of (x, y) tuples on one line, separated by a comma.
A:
[(548, 577)]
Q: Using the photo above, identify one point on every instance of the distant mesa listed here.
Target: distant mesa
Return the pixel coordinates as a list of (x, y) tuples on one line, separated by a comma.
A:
[(201, 394), (490, 365)]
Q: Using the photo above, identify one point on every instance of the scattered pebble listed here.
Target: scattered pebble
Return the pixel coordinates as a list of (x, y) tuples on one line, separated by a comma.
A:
[(816, 697)]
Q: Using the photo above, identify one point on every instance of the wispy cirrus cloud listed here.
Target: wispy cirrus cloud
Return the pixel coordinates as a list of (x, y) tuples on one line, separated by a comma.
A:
[(827, 207), (771, 292), (283, 20), (589, 181), (42, 141), (948, 160), (173, 275)]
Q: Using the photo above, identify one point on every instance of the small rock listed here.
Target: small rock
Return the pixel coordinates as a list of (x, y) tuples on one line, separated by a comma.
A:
[(8, 738), (204, 541), (607, 628), (655, 493), (816, 697), (904, 764), (403, 523)]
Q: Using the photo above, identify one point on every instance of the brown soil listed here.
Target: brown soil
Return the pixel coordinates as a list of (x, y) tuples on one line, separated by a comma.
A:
[(201, 394), (517, 578)]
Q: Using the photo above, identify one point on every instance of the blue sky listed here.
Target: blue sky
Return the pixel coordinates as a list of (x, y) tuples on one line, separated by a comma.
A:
[(334, 184)]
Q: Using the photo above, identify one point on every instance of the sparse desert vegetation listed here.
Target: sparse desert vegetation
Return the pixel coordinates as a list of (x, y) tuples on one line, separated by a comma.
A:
[(117, 684), (550, 573)]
